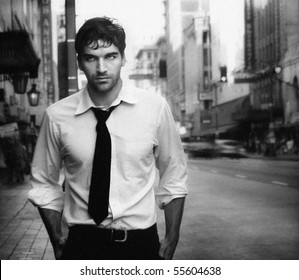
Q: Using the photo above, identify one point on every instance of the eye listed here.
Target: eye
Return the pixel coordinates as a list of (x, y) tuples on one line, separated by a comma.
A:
[(111, 56), (89, 58)]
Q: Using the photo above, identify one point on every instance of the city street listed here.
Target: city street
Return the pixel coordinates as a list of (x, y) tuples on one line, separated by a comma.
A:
[(236, 209), (241, 209)]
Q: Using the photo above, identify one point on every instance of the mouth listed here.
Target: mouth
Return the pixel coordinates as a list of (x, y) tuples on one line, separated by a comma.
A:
[(101, 79)]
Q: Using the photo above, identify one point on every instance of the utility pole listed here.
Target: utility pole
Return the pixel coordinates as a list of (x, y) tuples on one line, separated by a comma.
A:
[(70, 13)]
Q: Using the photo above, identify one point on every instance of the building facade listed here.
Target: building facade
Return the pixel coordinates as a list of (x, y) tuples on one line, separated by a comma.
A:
[(205, 47), (272, 59), (290, 75), (182, 43), (28, 75), (179, 15), (145, 73), (34, 19)]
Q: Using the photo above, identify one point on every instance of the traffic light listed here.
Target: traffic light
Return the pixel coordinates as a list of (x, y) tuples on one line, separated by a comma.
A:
[(223, 74)]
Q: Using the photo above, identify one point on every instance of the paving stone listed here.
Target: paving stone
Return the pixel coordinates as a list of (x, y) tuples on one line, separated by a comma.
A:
[(22, 233)]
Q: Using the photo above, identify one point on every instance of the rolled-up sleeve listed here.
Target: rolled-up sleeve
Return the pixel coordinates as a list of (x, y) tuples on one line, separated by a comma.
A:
[(170, 160), (46, 191)]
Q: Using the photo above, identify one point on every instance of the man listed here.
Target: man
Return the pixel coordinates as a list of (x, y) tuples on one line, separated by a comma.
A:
[(141, 137)]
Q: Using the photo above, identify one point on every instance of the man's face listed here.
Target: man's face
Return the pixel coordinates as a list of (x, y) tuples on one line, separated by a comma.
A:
[(102, 67)]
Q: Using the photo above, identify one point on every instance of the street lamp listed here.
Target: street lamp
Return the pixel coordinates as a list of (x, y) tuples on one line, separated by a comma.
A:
[(33, 96)]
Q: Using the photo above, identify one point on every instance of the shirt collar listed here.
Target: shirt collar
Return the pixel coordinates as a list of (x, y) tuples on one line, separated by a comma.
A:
[(127, 94)]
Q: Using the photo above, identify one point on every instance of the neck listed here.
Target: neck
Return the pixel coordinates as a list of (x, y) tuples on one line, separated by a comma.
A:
[(105, 98)]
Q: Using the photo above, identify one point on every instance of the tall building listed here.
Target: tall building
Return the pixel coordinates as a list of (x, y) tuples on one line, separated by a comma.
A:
[(290, 73), (179, 15), (197, 75), (272, 56), (205, 47)]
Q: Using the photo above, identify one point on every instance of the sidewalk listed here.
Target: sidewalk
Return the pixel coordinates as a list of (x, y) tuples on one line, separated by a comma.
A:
[(22, 233)]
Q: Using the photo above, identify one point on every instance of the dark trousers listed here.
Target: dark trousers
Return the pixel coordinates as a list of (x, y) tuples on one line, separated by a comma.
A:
[(90, 243)]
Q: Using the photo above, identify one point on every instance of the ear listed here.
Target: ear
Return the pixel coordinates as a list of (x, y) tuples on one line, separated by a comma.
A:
[(79, 63)]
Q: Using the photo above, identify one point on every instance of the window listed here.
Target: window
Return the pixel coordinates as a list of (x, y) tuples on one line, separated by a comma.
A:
[(162, 68), (296, 89), (206, 79), (205, 37), (207, 104), (205, 57)]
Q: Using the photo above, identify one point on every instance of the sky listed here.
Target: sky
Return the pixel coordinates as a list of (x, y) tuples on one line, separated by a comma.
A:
[(228, 16)]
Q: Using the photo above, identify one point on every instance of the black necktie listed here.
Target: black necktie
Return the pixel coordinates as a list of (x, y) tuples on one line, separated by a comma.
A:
[(100, 178)]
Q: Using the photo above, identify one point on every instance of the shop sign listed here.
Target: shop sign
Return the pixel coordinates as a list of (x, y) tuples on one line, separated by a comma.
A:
[(244, 78), (47, 48), (204, 96), (249, 35), (206, 119)]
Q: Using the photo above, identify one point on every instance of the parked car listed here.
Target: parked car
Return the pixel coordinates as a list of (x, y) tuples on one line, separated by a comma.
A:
[(199, 148), (229, 148)]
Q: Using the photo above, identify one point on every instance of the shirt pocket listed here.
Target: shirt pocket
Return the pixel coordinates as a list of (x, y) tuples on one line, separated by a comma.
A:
[(139, 158)]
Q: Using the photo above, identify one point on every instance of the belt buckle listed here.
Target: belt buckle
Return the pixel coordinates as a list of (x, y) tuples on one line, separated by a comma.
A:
[(119, 240)]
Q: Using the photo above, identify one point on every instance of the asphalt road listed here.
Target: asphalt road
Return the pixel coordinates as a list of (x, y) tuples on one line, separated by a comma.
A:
[(243, 209), (284, 173)]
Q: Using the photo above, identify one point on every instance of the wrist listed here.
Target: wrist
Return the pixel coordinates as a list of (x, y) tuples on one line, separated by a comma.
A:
[(57, 239)]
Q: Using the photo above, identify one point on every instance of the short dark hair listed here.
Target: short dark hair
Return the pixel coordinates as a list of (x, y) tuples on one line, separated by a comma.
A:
[(100, 28)]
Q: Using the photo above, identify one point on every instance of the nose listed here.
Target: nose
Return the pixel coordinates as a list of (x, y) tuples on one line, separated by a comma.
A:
[(101, 66)]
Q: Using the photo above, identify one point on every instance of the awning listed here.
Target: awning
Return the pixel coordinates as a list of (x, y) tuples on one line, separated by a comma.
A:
[(17, 53), (252, 115)]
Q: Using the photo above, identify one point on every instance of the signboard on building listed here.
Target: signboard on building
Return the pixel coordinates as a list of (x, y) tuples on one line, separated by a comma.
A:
[(46, 31), (204, 96), (244, 77), (206, 119), (249, 35)]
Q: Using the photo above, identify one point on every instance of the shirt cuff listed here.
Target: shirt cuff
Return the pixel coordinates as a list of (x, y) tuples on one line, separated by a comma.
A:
[(163, 200), (46, 199)]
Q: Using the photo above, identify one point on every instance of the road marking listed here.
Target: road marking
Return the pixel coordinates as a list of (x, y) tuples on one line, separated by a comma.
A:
[(241, 176), (279, 183)]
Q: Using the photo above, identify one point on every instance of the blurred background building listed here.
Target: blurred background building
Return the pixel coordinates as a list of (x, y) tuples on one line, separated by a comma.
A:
[(232, 71)]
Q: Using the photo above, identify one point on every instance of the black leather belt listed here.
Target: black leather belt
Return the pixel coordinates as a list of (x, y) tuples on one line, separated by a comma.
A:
[(112, 235)]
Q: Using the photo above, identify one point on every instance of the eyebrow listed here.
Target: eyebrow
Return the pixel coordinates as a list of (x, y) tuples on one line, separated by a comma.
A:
[(112, 53), (93, 55)]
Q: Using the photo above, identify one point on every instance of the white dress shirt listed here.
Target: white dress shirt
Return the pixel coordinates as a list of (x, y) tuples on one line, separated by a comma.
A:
[(143, 138)]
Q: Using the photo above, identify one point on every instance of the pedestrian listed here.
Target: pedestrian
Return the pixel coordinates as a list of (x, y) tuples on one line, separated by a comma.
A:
[(21, 163), (109, 138), (9, 156)]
